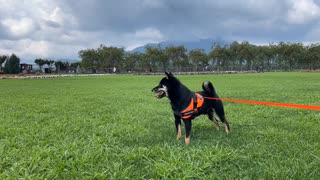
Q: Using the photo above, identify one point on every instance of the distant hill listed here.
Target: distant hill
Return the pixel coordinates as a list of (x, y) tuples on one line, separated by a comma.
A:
[(205, 44)]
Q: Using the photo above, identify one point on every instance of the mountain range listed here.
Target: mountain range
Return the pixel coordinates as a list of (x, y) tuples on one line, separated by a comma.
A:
[(205, 44)]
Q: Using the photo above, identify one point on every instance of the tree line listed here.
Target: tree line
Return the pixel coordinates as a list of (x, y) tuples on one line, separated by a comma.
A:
[(234, 56), (12, 65)]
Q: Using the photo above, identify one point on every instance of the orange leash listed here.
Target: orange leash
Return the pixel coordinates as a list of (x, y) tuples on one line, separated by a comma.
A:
[(297, 106)]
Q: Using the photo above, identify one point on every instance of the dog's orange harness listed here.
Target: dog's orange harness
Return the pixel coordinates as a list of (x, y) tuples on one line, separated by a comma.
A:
[(194, 106)]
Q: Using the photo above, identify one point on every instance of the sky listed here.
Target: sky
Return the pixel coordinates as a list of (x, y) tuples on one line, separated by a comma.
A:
[(59, 29)]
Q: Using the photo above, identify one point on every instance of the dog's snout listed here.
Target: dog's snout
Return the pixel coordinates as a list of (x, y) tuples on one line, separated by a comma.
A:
[(154, 89)]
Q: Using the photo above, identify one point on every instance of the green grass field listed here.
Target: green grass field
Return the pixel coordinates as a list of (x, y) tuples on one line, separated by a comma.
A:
[(112, 127)]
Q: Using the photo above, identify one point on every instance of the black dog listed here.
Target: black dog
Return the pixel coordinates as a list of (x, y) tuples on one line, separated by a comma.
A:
[(186, 105)]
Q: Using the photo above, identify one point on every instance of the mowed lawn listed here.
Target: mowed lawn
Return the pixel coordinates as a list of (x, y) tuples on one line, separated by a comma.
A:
[(112, 127)]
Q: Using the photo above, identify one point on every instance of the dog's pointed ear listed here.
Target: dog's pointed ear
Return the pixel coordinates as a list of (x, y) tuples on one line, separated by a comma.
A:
[(168, 74)]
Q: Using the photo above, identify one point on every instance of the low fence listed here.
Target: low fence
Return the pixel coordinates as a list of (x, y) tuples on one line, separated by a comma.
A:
[(44, 76), (201, 70), (183, 70)]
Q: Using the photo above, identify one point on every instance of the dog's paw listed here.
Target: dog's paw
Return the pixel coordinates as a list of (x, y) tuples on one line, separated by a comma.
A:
[(227, 128), (178, 136), (216, 124), (187, 140)]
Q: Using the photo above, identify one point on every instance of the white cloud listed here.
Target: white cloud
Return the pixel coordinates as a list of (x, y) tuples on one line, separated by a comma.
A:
[(28, 49), (19, 27), (36, 48), (25, 47), (303, 11), (148, 33), (60, 28), (59, 16), (142, 37)]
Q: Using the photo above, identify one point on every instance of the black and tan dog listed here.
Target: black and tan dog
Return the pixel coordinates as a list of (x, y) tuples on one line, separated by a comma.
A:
[(186, 105)]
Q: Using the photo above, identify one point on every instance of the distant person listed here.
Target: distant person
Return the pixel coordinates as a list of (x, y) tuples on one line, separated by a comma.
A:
[(114, 70), (260, 69)]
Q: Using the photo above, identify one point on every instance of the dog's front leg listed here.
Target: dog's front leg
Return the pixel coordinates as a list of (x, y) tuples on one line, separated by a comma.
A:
[(177, 121), (188, 125)]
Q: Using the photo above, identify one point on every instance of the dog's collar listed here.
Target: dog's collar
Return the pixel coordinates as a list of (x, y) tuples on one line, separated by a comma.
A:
[(196, 103)]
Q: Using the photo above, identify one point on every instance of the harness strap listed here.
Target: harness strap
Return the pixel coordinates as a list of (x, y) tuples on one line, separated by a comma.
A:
[(195, 102), (194, 106)]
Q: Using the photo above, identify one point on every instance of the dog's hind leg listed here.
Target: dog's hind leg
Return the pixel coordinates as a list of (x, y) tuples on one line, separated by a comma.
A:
[(226, 124), (211, 117), (220, 112), (177, 121)]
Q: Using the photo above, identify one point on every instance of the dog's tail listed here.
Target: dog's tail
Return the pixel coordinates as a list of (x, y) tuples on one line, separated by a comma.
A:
[(209, 89)]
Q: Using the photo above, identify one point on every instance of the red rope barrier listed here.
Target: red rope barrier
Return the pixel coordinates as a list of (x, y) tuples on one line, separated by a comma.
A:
[(298, 106)]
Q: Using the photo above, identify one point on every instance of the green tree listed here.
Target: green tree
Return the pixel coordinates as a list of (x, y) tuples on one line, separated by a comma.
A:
[(109, 57), (274, 56), (49, 62), (133, 61), (220, 55), (235, 55), (89, 59), (198, 58), (312, 58), (248, 54), (177, 55), (12, 65), (290, 54), (297, 53), (259, 57), (40, 62), (2, 60), (283, 52), (155, 57), (269, 57), (58, 66)]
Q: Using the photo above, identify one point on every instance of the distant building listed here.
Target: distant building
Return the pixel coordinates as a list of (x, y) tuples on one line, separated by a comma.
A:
[(26, 68)]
